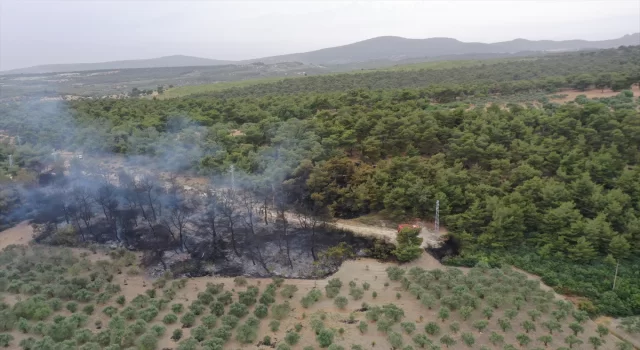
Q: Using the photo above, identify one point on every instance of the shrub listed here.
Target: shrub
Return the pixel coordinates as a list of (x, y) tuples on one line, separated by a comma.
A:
[(199, 333), (230, 321), (177, 308), (341, 302), (366, 286), (374, 294), (331, 292), (395, 273), (292, 338), (110, 311), (480, 325), (209, 321), (121, 300), (238, 310), (213, 344), (149, 314), (261, 311), (422, 340), (283, 346), (148, 341), (226, 298), (188, 344), (56, 304), (169, 319), (240, 281), (188, 320), (395, 339), (266, 340), (138, 327), (288, 290), (363, 327), (223, 333), (408, 327), (177, 334), (88, 309), (159, 330), (335, 347), (325, 337), (298, 327), (72, 306), (6, 339), (140, 301), (217, 308), (335, 282), (274, 325), (280, 311), (83, 336), (384, 325), (129, 313), (196, 308), (468, 339), (432, 328), (356, 293)]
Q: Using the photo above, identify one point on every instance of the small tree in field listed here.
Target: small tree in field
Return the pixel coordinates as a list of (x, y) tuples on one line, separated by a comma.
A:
[(511, 313), (528, 326), (504, 324), (465, 312), (572, 340), (443, 314), (523, 339), (480, 325), (596, 342), (447, 340), (602, 331), (487, 312), (545, 339), (496, 338), (534, 314), (408, 245), (454, 327), (576, 328), (432, 328), (552, 325), (468, 339), (341, 302)]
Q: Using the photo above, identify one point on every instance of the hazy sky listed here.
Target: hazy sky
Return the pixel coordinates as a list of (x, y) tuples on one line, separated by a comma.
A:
[(72, 31)]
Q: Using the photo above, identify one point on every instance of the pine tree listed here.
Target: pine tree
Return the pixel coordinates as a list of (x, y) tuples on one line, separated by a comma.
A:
[(582, 251), (619, 248)]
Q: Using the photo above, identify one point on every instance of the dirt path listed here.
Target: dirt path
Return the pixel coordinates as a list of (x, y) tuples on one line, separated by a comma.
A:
[(593, 93), (429, 238), (22, 233)]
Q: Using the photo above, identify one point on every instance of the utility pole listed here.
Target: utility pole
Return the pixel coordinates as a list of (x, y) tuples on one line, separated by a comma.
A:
[(437, 224)]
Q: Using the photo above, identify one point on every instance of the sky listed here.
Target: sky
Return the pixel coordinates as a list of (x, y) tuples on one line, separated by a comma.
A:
[(76, 31)]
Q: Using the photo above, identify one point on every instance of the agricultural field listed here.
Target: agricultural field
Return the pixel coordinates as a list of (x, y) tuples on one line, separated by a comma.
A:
[(59, 298)]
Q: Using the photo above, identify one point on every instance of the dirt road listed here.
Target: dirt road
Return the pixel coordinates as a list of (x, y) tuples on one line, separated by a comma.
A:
[(429, 238), (22, 233)]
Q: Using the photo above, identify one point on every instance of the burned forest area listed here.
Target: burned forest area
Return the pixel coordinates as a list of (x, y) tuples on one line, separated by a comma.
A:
[(232, 230)]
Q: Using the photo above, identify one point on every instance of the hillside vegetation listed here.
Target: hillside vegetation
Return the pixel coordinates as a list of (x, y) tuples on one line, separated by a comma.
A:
[(54, 299), (550, 188)]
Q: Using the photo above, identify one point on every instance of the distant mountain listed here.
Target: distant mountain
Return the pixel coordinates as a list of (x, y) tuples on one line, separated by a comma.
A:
[(166, 61), (397, 48), (377, 51)]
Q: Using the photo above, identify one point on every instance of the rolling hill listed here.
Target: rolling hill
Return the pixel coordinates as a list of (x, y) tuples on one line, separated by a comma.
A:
[(166, 61), (398, 48), (379, 51)]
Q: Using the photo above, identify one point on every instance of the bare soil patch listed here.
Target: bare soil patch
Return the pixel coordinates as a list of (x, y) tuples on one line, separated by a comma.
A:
[(593, 93)]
